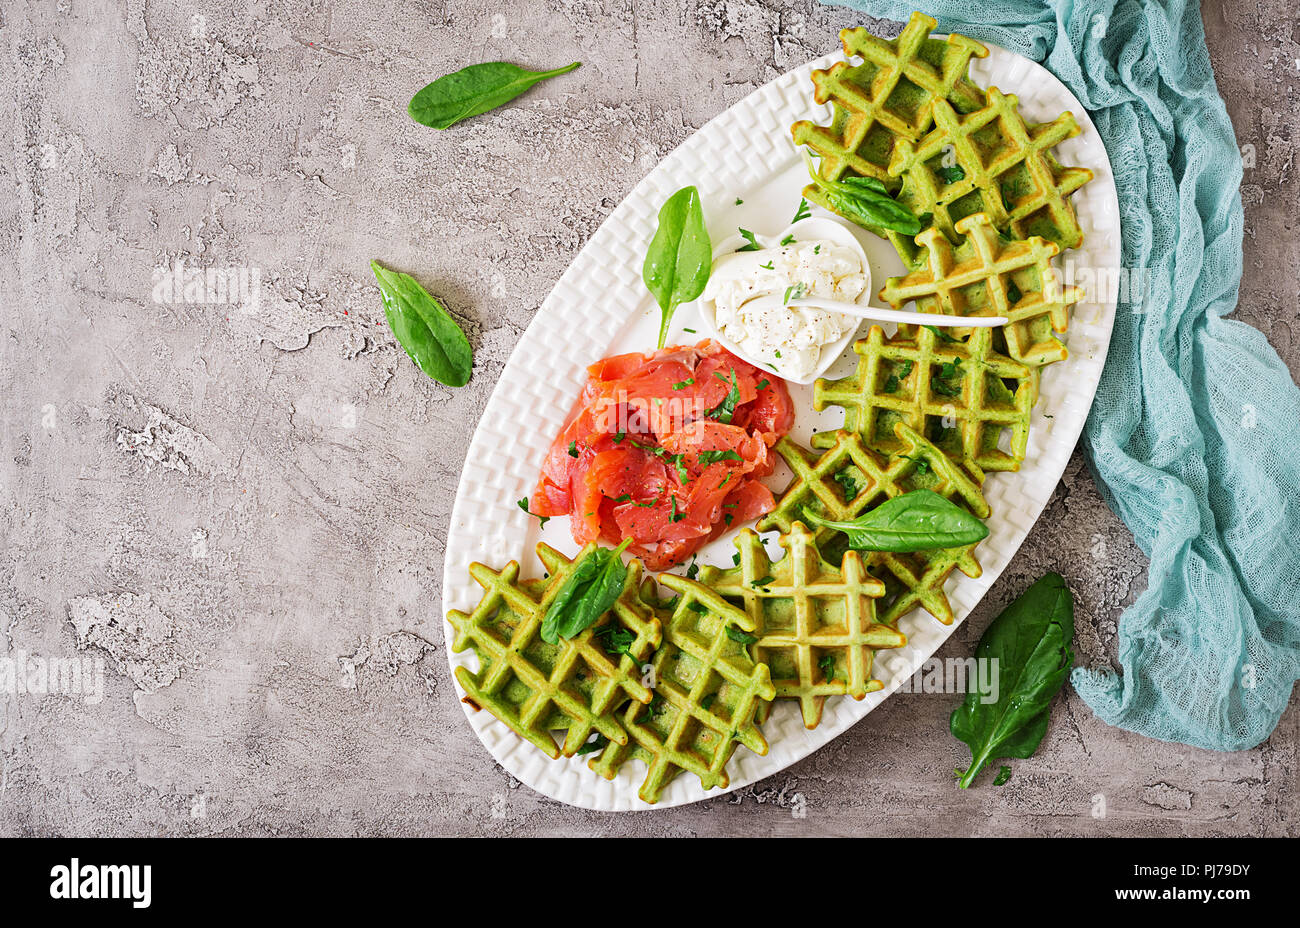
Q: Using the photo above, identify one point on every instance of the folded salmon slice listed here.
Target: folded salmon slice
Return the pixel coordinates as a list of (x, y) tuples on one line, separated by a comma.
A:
[(666, 449)]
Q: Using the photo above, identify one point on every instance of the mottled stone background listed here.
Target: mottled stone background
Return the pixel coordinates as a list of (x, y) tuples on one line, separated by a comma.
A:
[(244, 515)]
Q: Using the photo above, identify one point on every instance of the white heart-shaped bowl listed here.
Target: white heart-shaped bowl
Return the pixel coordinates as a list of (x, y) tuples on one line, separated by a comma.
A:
[(826, 228)]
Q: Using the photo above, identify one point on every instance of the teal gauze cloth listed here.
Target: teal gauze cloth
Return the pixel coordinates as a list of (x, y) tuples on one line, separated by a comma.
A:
[(1195, 433)]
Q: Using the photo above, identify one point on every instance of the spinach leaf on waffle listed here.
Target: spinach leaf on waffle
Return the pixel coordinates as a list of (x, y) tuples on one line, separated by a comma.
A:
[(973, 402), (848, 479), (991, 161), (816, 623), (988, 275), (575, 685), (887, 98), (707, 689)]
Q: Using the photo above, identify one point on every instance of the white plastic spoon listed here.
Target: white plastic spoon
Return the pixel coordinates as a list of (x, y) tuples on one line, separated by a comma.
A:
[(772, 301)]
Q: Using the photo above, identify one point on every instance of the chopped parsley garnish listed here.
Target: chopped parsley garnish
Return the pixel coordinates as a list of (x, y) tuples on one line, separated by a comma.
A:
[(817, 249), (707, 701), (768, 267), (675, 516), (740, 637), (794, 292), (942, 334), (727, 408), (623, 498), (891, 384), (735, 559), (739, 201), (751, 243), (541, 520), (597, 743), (692, 570), (922, 465), (950, 175), (683, 384), (803, 212), (762, 581), (692, 331), (677, 460), (617, 640), (847, 483), (709, 457), (827, 667), (762, 384), (1013, 292), (573, 449), (943, 384), (788, 240), (618, 438)]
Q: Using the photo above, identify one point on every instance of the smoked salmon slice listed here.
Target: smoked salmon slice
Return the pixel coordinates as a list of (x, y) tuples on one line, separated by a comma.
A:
[(666, 449)]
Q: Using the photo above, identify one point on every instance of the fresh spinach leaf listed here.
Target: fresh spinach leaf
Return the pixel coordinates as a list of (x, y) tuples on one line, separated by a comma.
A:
[(590, 590), (424, 329), (680, 257), (918, 521), (474, 90), (1031, 645), (866, 201)]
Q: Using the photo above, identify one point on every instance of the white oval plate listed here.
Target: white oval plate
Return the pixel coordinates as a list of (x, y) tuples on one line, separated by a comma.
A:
[(601, 307)]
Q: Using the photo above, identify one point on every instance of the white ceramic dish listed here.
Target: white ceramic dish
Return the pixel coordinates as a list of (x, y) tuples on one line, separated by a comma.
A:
[(600, 307)]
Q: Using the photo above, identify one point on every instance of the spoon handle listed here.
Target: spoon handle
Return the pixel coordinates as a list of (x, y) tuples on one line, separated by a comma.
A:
[(898, 315)]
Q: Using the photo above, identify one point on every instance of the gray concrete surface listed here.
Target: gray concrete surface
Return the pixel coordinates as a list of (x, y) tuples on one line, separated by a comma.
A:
[(242, 515)]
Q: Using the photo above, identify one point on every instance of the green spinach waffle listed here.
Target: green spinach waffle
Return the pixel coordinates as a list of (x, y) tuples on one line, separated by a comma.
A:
[(973, 402), (988, 275), (910, 117), (888, 98), (707, 691), (536, 688), (991, 161), (815, 623), (848, 479)]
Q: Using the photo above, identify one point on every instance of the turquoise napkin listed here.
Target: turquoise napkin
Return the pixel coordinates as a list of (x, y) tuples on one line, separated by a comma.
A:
[(1195, 434)]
